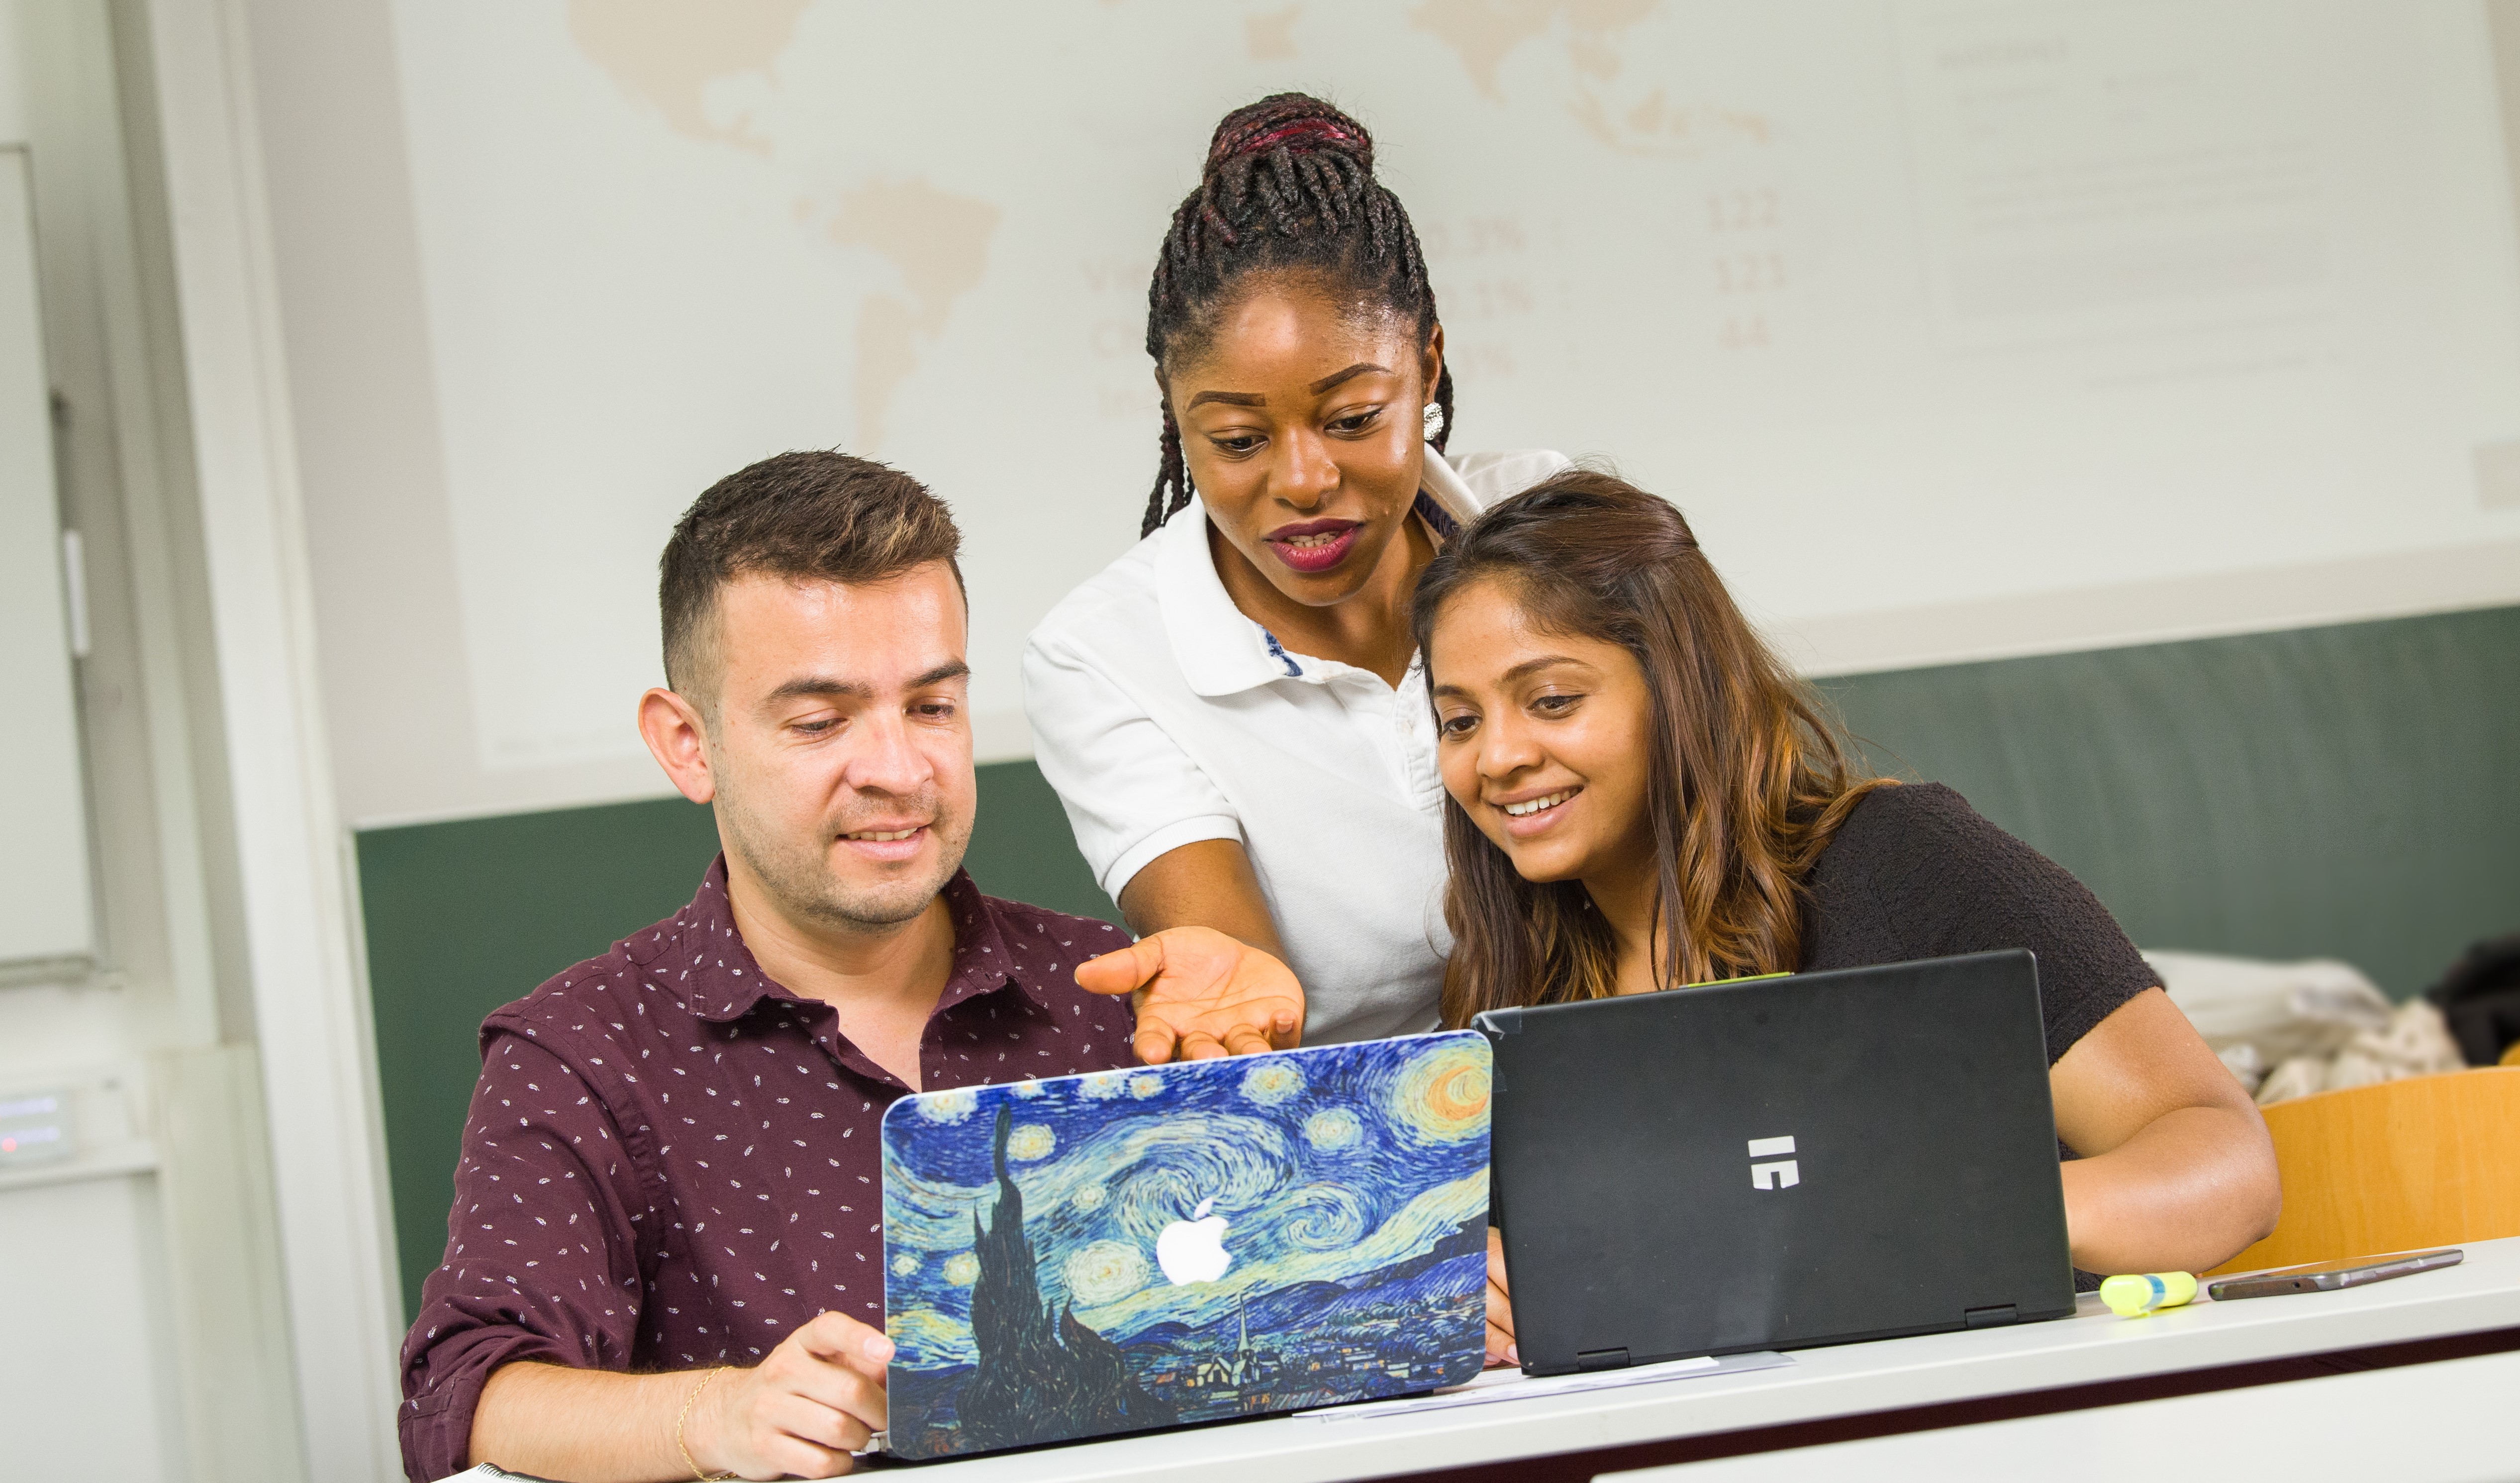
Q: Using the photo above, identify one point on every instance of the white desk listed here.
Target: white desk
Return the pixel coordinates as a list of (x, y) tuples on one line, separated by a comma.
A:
[(1850, 1380), (2446, 1422)]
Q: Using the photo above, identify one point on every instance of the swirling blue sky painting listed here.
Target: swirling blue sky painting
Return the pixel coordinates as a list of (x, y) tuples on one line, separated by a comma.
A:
[(1179, 1243)]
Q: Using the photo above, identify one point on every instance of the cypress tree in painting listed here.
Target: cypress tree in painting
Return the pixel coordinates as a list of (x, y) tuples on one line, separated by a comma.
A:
[(1042, 1374)]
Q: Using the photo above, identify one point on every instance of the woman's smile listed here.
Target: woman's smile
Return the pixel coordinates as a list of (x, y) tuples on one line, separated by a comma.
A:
[(1313, 546), (1536, 813), (1542, 737)]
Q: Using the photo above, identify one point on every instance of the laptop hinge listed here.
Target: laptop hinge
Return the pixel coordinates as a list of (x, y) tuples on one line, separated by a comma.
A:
[(1602, 1359), (1989, 1318)]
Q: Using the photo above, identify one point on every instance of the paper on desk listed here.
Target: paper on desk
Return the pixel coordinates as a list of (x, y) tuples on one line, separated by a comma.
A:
[(1514, 1385)]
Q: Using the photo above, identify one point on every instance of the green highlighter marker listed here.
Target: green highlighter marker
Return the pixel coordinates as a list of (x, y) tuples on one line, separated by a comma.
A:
[(2133, 1296)]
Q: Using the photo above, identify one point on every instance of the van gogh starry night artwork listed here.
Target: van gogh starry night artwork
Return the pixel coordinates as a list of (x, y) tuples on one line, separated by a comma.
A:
[(1106, 1253)]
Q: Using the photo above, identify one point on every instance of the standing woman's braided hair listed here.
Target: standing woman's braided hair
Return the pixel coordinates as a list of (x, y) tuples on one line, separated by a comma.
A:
[(1288, 187)]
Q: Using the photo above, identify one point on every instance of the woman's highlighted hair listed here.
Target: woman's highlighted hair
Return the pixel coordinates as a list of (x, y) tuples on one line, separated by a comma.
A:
[(1745, 780)]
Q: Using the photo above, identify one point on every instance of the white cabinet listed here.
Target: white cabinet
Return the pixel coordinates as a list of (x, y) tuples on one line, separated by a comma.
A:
[(45, 910)]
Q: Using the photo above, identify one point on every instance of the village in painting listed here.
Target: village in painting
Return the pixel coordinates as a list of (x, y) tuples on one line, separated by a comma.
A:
[(1184, 1244)]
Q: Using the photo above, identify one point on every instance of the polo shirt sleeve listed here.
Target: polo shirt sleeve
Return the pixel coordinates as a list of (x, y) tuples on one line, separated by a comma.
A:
[(1131, 792), (542, 1258)]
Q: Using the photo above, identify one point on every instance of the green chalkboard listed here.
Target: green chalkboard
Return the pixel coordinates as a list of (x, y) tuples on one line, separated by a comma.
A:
[(2348, 792), (2351, 791)]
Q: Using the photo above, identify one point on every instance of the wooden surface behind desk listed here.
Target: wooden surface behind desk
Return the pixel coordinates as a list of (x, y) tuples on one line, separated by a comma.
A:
[(2091, 1348)]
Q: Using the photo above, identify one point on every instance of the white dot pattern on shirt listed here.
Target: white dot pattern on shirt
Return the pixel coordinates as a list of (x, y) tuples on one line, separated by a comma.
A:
[(661, 1165)]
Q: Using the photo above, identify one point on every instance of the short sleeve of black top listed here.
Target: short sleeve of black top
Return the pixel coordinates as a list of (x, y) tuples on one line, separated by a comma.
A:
[(1916, 872)]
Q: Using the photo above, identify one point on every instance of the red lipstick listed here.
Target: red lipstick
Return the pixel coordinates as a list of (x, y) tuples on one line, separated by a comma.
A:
[(1313, 546)]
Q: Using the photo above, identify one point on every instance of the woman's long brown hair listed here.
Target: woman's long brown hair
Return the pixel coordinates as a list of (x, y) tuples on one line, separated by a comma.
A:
[(1745, 780)]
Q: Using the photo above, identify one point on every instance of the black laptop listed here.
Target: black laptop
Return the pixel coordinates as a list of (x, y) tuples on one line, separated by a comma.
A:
[(1771, 1163)]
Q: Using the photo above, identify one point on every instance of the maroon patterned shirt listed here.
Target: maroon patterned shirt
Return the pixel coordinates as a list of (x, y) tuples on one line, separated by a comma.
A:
[(671, 1162)]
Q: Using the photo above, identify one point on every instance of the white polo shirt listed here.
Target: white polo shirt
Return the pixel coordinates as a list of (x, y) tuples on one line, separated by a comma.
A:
[(1165, 716)]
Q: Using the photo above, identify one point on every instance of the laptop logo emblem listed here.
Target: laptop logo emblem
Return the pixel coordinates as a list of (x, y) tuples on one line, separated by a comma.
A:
[(1776, 1173), (1193, 1250)]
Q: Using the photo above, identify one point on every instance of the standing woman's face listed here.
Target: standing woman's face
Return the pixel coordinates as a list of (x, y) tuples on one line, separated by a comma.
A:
[(1303, 428)]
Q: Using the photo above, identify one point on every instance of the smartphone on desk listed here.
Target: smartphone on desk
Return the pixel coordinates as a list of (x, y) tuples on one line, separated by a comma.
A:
[(2327, 1277)]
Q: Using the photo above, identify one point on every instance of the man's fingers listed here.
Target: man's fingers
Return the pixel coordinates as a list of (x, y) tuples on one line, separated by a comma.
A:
[(1198, 1044), (798, 1419), (1122, 971), (796, 1458), (1245, 1040), (843, 1340), (836, 1335), (841, 1392), (1287, 1032), (809, 1421)]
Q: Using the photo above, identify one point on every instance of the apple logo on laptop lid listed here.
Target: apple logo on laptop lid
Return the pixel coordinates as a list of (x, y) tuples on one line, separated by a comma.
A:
[(1193, 1250)]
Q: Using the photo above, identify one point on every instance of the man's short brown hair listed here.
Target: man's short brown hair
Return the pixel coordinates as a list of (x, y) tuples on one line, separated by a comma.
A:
[(812, 516)]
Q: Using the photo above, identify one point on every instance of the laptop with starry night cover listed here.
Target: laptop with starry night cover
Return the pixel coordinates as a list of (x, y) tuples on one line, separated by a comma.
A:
[(1084, 1255)]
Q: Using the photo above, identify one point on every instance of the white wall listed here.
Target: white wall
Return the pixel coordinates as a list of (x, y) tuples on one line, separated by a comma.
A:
[(13, 89), (85, 1255), (2213, 325), (292, 897), (78, 1234), (45, 911), (146, 1329)]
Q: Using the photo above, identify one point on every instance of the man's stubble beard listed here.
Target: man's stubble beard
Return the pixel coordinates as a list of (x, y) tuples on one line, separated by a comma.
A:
[(797, 870)]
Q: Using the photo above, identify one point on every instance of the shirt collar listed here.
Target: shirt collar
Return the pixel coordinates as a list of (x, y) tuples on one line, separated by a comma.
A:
[(1219, 649), (1222, 650), (730, 984)]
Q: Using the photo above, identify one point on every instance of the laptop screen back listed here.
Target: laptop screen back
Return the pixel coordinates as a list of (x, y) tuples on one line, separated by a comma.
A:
[(1781, 1161), (1094, 1254)]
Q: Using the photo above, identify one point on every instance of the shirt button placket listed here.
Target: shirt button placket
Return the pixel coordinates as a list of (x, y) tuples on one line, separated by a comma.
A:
[(1415, 735)]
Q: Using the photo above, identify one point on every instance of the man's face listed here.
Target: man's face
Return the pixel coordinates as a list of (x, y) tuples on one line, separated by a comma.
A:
[(841, 747)]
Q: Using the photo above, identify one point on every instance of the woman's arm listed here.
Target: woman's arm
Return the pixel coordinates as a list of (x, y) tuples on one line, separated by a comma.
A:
[(1207, 884), (1501, 1349), (2175, 1173), (1208, 974)]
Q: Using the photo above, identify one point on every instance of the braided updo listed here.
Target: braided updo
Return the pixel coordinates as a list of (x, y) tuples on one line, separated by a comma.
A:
[(1289, 186)]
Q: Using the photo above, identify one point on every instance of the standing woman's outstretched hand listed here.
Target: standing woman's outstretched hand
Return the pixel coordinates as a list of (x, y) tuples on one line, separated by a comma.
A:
[(1200, 994)]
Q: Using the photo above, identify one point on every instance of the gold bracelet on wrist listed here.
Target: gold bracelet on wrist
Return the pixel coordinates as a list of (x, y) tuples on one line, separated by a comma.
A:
[(679, 1422)]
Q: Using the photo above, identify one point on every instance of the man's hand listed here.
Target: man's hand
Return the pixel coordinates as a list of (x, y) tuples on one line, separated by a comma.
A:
[(1200, 994), (1500, 1346), (801, 1413)]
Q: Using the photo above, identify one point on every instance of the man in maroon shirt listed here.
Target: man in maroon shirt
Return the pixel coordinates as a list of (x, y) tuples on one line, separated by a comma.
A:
[(664, 1254)]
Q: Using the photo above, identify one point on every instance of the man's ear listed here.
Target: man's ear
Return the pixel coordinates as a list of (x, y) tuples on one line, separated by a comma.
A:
[(678, 739)]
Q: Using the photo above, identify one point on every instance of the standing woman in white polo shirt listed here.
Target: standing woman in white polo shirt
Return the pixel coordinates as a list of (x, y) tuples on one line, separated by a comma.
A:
[(1234, 712)]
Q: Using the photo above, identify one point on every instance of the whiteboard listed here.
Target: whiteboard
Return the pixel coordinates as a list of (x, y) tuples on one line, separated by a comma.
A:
[(44, 885), (1903, 303)]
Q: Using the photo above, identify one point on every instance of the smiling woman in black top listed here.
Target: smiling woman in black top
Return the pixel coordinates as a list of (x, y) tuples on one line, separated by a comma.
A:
[(1641, 796)]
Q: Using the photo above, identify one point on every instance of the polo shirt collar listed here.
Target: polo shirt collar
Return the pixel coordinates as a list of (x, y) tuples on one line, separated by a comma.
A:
[(1222, 650), (730, 983)]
